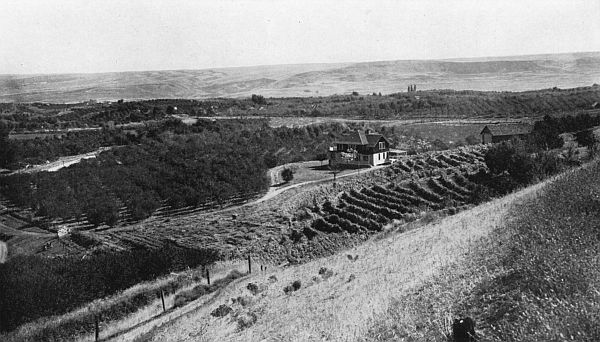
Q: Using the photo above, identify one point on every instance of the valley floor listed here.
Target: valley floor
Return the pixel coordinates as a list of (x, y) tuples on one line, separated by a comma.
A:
[(345, 301)]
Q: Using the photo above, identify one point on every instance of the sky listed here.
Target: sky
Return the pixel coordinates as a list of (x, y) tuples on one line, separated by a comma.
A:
[(80, 36)]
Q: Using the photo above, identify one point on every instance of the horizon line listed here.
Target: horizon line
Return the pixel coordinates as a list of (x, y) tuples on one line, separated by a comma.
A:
[(450, 59)]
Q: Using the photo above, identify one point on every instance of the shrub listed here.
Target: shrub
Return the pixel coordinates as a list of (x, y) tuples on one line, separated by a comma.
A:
[(296, 285), (185, 297), (325, 273), (287, 175), (246, 320), (243, 300), (253, 288), (288, 289), (222, 311)]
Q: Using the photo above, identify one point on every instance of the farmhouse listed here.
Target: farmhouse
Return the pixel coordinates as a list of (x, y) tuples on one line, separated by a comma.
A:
[(360, 148), (502, 132)]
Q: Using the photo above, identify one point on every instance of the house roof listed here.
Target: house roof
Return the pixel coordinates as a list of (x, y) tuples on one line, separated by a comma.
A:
[(360, 138), (353, 138), (507, 129)]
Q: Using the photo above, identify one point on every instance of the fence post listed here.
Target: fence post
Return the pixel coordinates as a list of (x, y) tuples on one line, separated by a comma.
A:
[(207, 276), (162, 298), (97, 325), (249, 265)]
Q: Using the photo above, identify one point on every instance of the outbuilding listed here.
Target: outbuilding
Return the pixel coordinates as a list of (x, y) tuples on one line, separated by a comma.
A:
[(494, 133)]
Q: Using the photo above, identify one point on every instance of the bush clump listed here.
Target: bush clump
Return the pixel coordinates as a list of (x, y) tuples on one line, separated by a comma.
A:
[(255, 289), (246, 320), (185, 297), (222, 311), (295, 286), (325, 273)]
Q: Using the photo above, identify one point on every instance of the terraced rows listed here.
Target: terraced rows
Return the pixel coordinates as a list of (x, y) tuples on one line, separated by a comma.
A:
[(469, 157), (371, 208)]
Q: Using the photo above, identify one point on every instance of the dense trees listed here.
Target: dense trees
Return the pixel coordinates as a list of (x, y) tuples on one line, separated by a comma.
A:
[(513, 163), (38, 151), (429, 103), (33, 287), (7, 149), (546, 132), (171, 163)]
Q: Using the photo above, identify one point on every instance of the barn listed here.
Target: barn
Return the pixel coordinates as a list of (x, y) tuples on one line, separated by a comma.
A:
[(360, 148), (502, 132)]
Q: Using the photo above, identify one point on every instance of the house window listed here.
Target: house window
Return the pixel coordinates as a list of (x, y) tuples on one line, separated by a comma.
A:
[(365, 158), (381, 145)]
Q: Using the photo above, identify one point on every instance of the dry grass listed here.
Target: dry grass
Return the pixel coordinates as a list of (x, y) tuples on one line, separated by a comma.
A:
[(522, 283), (344, 306)]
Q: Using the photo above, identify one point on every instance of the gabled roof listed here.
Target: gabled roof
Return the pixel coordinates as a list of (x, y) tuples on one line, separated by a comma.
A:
[(360, 138), (507, 129), (353, 138)]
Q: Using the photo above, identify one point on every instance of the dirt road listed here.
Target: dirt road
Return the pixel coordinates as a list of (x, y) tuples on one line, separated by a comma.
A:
[(274, 191), (62, 162), (3, 252)]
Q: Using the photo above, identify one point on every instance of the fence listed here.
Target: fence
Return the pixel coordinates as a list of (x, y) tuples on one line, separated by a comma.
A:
[(164, 304)]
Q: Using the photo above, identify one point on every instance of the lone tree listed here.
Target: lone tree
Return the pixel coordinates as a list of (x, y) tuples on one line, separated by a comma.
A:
[(287, 175), (259, 99)]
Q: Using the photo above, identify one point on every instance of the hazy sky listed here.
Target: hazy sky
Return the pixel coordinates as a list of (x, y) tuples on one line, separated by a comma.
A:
[(56, 36)]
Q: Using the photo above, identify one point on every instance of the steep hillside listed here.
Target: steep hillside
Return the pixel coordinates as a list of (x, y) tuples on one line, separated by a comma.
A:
[(339, 298), (534, 279), (499, 73)]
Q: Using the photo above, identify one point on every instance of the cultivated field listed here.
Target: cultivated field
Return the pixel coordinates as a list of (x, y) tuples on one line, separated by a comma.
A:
[(431, 181)]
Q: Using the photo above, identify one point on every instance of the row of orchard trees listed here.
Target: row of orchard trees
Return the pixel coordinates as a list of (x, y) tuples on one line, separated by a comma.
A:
[(171, 163)]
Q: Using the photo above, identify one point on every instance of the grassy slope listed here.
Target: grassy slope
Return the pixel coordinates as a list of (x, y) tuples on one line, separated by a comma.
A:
[(535, 279), (339, 308)]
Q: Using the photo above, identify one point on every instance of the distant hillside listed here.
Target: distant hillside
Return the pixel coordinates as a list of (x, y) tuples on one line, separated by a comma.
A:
[(501, 73)]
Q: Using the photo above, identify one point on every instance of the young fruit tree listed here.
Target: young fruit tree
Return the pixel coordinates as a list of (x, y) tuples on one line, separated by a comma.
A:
[(287, 175)]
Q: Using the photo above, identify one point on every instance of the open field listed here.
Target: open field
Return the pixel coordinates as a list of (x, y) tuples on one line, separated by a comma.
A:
[(499, 74)]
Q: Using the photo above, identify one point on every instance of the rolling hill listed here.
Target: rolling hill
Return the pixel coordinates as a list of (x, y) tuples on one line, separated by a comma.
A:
[(514, 73)]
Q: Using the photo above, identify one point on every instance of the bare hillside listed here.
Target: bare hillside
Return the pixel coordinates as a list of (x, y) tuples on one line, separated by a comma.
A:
[(500, 73)]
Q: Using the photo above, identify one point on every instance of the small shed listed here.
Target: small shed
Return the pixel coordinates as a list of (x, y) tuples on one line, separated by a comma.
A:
[(501, 132)]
